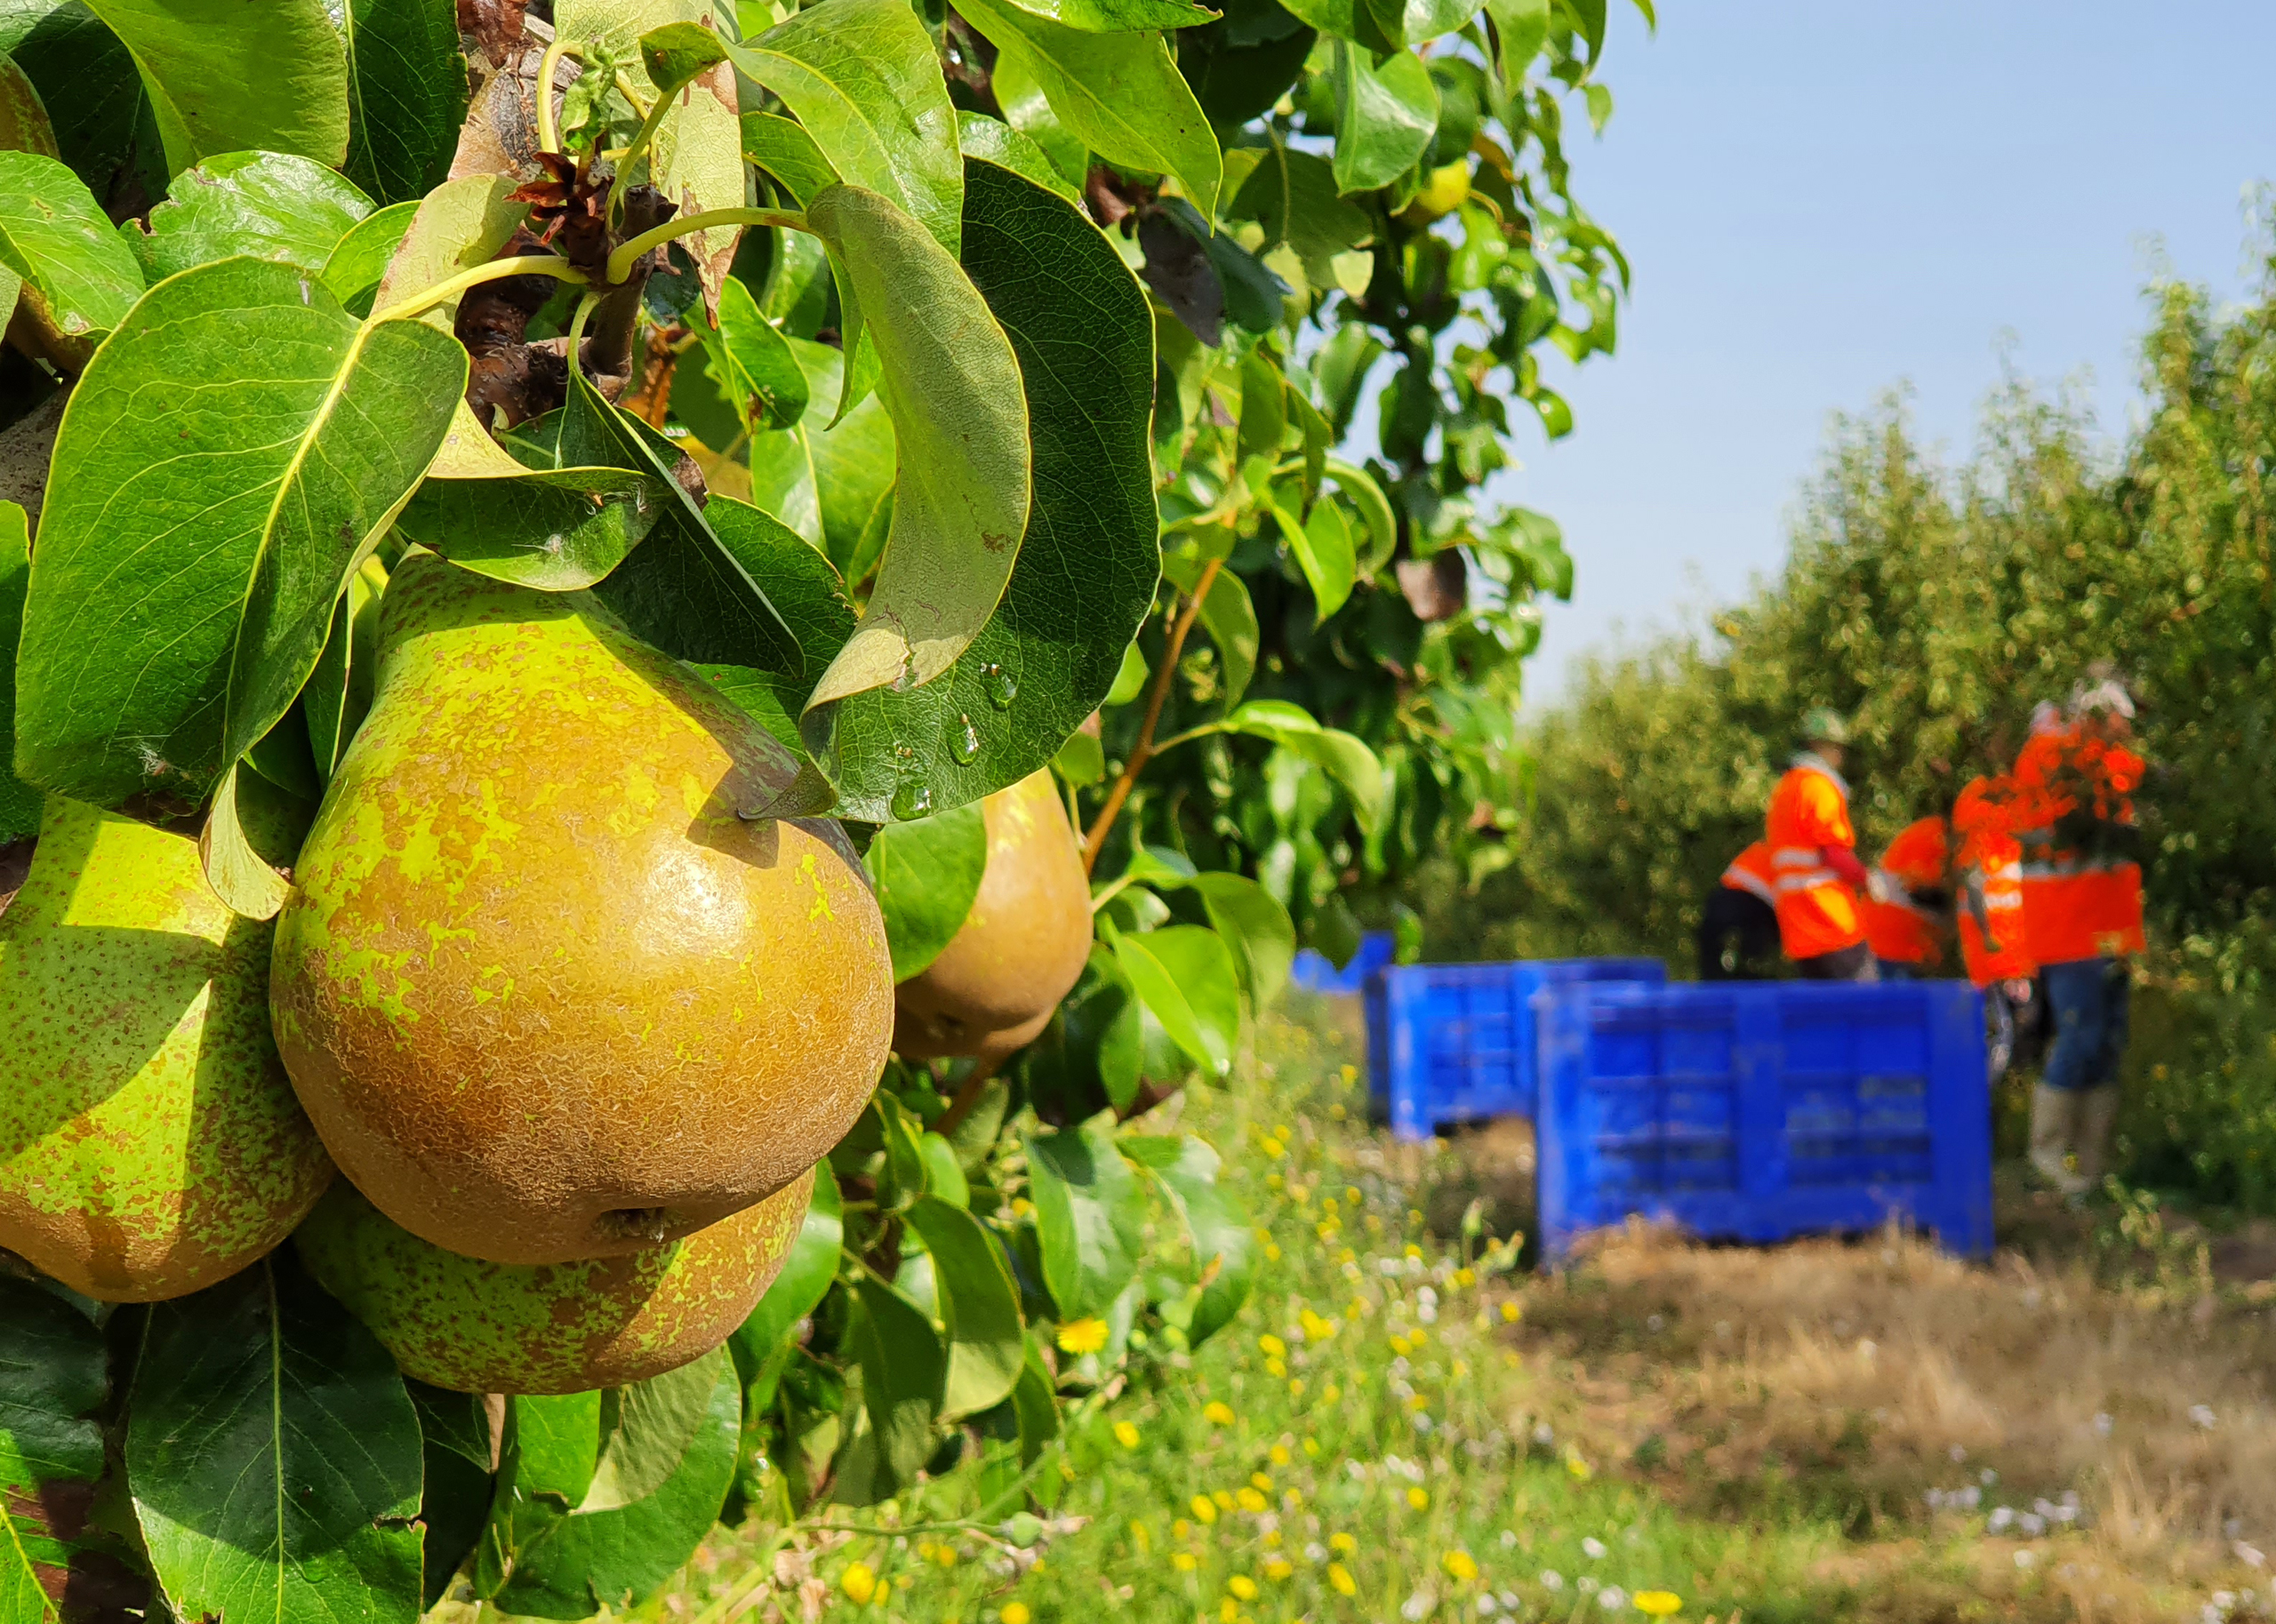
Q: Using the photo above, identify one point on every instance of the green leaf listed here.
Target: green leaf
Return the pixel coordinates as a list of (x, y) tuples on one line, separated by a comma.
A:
[(1090, 1217), (269, 205), (1088, 564), (339, 692), (1094, 1045), (359, 260), (944, 1178), (784, 148), (1294, 196), (1081, 761), (406, 95), (951, 386), (1264, 416), (979, 1304), (459, 225), (1224, 1242), (864, 79), (20, 803), (1130, 680), (244, 883), (1359, 487), (79, 278), (456, 1489), (656, 1488), (808, 1270), (23, 117), (1346, 758), (240, 395), (926, 870), (994, 142), (1588, 17), (1187, 976), (1255, 927), (1253, 294), (1117, 16), (1036, 1404), (274, 1457), (1028, 111), (1118, 93), (832, 485), (677, 53), (1385, 116), (1322, 545), (1425, 20), (52, 1378), (763, 380), (93, 95), (1350, 20), (1522, 27), (238, 76), (904, 1369), (1227, 615)]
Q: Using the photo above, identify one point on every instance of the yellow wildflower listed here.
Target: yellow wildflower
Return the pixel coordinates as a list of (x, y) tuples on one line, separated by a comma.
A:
[(1250, 1499), (1419, 1402), (1139, 1536), (1279, 1569), (1228, 1610), (1511, 1313), (859, 1582), (1022, 1206), (1327, 1230), (1272, 1346), (1418, 1336), (1419, 1497), (1278, 1454), (1578, 1467), (1126, 1433), (1330, 1392), (1318, 1327), (1659, 1603), (1205, 1510), (1399, 1345), (1082, 1336), (1335, 1112), (1275, 1369), (1284, 1131), (1355, 1309), (1016, 1612), (1311, 1446), (1185, 1562), (1296, 1388), (1180, 1529), (1242, 1585), (1342, 1542), (1340, 1578), (1272, 1538), (1217, 1412), (1273, 1181), (945, 1555), (1224, 1498), (1271, 1254), (1273, 1148), (1466, 1276), (1461, 1564), (1258, 1480)]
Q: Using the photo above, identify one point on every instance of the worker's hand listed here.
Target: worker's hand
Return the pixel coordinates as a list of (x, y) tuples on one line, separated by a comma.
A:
[(1877, 885), (2018, 990)]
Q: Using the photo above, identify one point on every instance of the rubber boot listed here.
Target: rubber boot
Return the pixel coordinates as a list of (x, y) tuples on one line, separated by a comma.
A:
[(2098, 1110), (2054, 1129)]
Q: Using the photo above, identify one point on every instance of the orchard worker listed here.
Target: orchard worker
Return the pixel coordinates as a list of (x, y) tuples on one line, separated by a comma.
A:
[(1993, 947), (1738, 929), (1813, 849), (1908, 904), (2082, 917)]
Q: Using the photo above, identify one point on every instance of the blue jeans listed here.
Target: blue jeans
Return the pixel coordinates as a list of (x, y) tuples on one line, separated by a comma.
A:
[(1898, 969), (2088, 996)]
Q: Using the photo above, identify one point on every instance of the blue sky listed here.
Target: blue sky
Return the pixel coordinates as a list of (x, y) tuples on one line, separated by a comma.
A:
[(1822, 201)]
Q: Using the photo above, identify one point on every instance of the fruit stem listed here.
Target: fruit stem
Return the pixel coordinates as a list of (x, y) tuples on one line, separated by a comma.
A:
[(548, 136), (525, 265), (651, 119), (620, 263), (1142, 751), (967, 1096)]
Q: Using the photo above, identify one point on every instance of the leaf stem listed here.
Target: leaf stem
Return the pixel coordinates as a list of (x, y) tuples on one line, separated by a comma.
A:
[(496, 270), (967, 1096), (620, 263), (651, 120), (1094, 842), (549, 134)]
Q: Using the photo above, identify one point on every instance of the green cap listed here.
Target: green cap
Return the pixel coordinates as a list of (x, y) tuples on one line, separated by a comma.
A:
[(1825, 726)]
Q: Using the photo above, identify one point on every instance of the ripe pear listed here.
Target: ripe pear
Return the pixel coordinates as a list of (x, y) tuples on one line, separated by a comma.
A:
[(481, 1327), (994, 987), (149, 1142), (545, 994)]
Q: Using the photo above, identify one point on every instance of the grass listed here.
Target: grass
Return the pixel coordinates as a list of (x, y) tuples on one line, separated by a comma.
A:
[(1396, 1431)]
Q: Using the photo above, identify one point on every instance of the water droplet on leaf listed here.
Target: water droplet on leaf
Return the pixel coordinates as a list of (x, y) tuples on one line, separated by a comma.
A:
[(911, 800), (1002, 687), (967, 740)]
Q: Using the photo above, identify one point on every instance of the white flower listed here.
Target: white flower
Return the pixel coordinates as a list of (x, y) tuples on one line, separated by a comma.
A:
[(1969, 1498), (1594, 1547), (1613, 1598), (2250, 1556), (1588, 1584), (1934, 1498), (2104, 1424), (1417, 1606), (1541, 1435), (1656, 1321), (1422, 1423), (1958, 1453), (1508, 1598), (2000, 1518), (1315, 1552), (1425, 1295), (1508, 1539), (1486, 1604), (1988, 1476), (2023, 1559), (2033, 1525), (1552, 1579), (2202, 1415), (1428, 1313)]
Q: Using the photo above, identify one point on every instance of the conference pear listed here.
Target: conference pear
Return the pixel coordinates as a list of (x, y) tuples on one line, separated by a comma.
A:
[(482, 1327), (994, 987), (544, 993), (149, 1142)]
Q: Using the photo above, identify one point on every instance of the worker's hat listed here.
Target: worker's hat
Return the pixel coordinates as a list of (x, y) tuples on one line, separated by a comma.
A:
[(1825, 726)]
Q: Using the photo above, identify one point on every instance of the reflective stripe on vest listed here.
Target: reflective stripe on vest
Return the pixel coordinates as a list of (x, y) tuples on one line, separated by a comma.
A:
[(1747, 880), (1804, 868)]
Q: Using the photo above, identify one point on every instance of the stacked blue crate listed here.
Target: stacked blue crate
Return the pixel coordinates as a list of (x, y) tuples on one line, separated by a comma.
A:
[(1756, 1111), (1456, 1043), (1314, 971)]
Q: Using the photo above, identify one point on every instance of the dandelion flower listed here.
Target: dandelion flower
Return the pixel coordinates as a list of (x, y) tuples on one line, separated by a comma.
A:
[(1273, 1148), (1205, 1510), (1466, 1277), (1250, 1499), (1278, 1455), (1272, 1346), (1185, 1562), (1342, 1542), (1275, 1369), (859, 1582), (1658, 1604), (1242, 1585), (1139, 1536), (1217, 1412), (1258, 1480), (1228, 1610), (1016, 1612), (1578, 1467), (1280, 1568), (1511, 1313), (1126, 1433), (1271, 1254), (1419, 1497), (945, 1555), (1224, 1500), (1461, 1564), (1082, 1336), (1401, 1346), (1340, 1578)]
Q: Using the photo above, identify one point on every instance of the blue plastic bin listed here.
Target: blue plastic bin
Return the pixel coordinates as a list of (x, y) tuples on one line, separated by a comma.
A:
[(1456, 1043), (1315, 971), (1758, 1111)]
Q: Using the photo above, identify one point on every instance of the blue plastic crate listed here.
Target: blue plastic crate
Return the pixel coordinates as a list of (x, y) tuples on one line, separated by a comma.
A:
[(1314, 971), (1456, 1043), (1759, 1111)]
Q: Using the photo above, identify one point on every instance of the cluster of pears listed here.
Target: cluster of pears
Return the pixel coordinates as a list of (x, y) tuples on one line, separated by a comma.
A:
[(574, 1026)]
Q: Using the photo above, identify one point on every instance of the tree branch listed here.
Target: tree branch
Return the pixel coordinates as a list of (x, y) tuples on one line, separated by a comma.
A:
[(1094, 842)]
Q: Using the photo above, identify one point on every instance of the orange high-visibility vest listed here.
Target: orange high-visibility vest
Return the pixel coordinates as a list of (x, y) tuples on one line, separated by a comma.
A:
[(1989, 852), (2076, 907), (1817, 911), (1753, 871), (1900, 929)]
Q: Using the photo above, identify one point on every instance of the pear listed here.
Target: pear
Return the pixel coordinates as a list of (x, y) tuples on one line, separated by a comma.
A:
[(480, 1327), (545, 993), (1022, 946), (149, 1142)]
